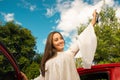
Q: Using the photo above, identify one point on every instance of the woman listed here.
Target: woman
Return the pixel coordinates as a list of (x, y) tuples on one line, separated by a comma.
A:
[(58, 64)]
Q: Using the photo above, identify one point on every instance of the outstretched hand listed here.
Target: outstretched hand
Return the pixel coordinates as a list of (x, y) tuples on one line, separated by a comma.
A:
[(95, 15)]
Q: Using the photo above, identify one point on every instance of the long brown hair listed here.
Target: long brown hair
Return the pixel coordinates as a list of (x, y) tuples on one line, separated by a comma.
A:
[(49, 51)]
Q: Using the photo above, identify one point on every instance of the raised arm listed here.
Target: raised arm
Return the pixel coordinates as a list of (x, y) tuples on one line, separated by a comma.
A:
[(86, 44), (94, 19), (84, 35)]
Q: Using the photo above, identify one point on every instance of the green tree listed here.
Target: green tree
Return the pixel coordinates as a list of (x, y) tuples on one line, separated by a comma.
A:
[(33, 70), (37, 57), (21, 44), (108, 37), (108, 49)]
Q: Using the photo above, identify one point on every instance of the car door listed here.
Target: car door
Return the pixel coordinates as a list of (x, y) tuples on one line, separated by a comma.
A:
[(9, 69)]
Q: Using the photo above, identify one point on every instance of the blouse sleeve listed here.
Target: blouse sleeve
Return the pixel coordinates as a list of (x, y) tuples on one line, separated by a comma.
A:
[(86, 43), (40, 77)]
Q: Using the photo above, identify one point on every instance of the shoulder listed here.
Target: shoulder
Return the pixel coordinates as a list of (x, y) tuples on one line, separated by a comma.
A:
[(69, 52)]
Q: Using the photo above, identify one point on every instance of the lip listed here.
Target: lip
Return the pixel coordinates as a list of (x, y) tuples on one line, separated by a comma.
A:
[(60, 45)]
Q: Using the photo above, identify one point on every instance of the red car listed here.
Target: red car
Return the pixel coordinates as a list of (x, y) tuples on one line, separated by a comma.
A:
[(101, 72), (8, 73)]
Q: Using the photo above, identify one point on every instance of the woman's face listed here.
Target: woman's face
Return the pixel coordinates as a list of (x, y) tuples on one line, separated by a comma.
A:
[(58, 42)]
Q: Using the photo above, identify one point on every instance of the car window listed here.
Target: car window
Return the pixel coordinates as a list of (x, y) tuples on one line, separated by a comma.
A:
[(6, 69), (95, 76)]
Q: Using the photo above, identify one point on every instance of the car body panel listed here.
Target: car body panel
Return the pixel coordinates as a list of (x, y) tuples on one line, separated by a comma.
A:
[(112, 71)]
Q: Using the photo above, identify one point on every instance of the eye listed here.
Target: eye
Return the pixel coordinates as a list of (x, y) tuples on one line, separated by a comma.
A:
[(56, 39), (61, 38)]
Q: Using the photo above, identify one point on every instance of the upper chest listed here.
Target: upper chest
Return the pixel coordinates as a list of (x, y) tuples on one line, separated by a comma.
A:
[(61, 59)]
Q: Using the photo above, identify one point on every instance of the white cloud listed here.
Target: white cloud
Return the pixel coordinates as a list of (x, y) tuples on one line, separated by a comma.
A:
[(44, 41), (8, 17), (26, 4), (71, 17), (109, 2), (57, 21), (117, 7), (74, 13), (50, 12), (19, 23), (63, 5), (118, 14), (32, 7)]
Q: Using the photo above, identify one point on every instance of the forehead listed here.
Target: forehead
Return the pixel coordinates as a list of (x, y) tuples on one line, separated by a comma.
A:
[(56, 35)]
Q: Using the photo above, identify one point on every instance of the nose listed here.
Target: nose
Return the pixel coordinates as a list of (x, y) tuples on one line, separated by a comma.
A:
[(61, 41)]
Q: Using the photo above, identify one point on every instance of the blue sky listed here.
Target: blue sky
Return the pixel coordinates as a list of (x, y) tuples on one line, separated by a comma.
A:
[(43, 16)]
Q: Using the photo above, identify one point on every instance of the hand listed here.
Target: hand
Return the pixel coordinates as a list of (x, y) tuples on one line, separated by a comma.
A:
[(24, 77), (95, 16), (95, 13)]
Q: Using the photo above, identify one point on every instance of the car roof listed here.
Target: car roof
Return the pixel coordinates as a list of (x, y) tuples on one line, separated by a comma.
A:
[(98, 67)]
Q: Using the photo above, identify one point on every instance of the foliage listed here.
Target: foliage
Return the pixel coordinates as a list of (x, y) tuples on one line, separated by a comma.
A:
[(22, 45), (108, 49), (78, 62), (33, 70), (108, 37)]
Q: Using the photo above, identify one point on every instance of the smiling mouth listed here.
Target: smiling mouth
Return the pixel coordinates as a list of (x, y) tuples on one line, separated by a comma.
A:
[(60, 44)]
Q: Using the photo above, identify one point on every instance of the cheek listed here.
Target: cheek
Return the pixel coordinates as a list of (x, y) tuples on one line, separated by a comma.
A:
[(55, 44), (62, 42)]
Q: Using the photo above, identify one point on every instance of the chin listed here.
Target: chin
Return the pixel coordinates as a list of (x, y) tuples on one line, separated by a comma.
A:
[(61, 49)]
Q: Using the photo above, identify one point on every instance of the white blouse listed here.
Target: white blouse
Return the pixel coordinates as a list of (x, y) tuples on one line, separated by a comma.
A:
[(62, 66)]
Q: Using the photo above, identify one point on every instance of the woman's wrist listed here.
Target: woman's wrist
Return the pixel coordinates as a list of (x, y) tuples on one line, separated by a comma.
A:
[(93, 22)]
